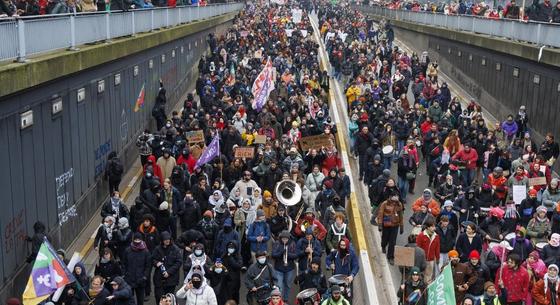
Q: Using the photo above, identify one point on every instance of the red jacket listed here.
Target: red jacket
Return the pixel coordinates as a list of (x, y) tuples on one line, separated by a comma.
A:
[(189, 161), (468, 157), (515, 281), (430, 246), (157, 170), (500, 183)]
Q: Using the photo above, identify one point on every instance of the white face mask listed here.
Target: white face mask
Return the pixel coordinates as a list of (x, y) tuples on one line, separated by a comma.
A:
[(231, 250), (218, 270), (198, 252), (261, 260)]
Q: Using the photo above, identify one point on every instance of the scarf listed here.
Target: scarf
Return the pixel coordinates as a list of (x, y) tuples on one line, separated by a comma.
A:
[(109, 231), (115, 205), (141, 246), (94, 292), (553, 280)]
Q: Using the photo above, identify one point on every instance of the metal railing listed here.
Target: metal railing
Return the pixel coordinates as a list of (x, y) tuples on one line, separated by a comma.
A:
[(24, 36), (539, 33)]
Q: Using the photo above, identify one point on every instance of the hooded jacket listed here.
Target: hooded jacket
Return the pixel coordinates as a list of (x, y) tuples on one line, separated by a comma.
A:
[(171, 258), (137, 264), (202, 296), (123, 295)]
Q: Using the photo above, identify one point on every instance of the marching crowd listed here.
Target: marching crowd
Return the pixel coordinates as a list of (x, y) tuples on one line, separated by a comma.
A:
[(272, 221), (535, 10), (491, 209)]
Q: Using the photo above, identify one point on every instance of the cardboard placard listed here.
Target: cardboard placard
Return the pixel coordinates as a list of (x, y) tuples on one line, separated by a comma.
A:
[(196, 151), (404, 256), (519, 193), (195, 136), (244, 152), (316, 142), (260, 139), (537, 181)]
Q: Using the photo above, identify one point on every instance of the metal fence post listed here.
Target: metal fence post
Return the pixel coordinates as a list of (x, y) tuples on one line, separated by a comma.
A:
[(180, 16), (133, 24), (166, 17), (108, 27), (72, 33), (21, 41), (539, 33), (151, 20)]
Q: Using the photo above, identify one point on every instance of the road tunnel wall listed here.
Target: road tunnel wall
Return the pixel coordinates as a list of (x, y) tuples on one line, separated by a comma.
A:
[(54, 161)]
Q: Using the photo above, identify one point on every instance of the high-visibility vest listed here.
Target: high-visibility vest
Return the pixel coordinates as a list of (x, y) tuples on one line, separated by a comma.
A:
[(496, 301)]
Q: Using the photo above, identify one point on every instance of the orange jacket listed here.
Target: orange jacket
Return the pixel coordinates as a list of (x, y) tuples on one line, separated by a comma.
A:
[(433, 206), (500, 183), (539, 295)]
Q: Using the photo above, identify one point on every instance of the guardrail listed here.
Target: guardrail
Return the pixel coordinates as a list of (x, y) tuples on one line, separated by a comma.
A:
[(26, 36), (539, 33)]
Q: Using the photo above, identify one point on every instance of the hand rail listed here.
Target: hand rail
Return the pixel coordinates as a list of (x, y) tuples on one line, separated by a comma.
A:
[(24, 36), (534, 32)]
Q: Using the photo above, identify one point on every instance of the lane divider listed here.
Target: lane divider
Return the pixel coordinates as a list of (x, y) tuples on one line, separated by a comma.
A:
[(354, 216)]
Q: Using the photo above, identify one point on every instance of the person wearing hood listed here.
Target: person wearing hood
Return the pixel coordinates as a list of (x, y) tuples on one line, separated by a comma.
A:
[(325, 198), (122, 294), (218, 277), (491, 297), (168, 299), (510, 128), (188, 212), (108, 267), (258, 233), (309, 220), (115, 207), (376, 189), (546, 290), (551, 195), (39, 234), (233, 263), (137, 212), (412, 291), (217, 204), (196, 260), (151, 197), (259, 279), (196, 291), (284, 253), (106, 236), (521, 245), (344, 262), (280, 222), (268, 205), (539, 227), (152, 167), (137, 265), (113, 171), (551, 251), (428, 200), (166, 260), (528, 207), (209, 229), (124, 237), (225, 236)]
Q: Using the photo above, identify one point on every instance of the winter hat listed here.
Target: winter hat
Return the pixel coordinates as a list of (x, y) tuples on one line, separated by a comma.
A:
[(164, 206), (284, 234), (309, 231), (335, 289), (386, 173), (275, 292), (137, 235), (521, 230), (165, 236), (535, 255), (377, 157), (260, 213), (427, 195), (474, 255), (488, 285), (218, 261), (328, 184), (452, 254), (316, 260), (541, 208), (267, 194), (448, 203), (533, 193), (554, 240), (208, 213), (123, 223), (196, 274), (227, 222), (415, 271)]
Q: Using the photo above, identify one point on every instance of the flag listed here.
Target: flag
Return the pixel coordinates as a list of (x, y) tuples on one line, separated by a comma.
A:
[(441, 291), (210, 152), (140, 100), (263, 85), (47, 275)]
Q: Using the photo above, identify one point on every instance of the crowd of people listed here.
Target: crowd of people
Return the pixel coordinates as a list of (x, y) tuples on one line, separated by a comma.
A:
[(205, 232), (535, 10), (491, 209), (16, 8)]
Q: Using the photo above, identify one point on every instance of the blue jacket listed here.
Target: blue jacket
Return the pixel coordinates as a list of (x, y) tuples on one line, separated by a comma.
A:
[(220, 246), (347, 265), (303, 257), (258, 228), (278, 256)]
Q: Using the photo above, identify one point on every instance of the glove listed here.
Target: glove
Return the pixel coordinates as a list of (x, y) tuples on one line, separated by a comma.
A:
[(401, 230)]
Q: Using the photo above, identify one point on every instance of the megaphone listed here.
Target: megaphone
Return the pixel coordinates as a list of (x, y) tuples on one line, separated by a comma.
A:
[(288, 192)]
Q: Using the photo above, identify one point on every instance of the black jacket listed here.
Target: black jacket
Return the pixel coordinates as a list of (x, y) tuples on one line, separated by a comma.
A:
[(309, 279), (108, 271), (189, 214), (137, 265), (171, 258), (447, 240), (123, 296), (107, 210)]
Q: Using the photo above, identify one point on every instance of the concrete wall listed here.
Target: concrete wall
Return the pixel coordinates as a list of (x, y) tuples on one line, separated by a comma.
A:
[(53, 168)]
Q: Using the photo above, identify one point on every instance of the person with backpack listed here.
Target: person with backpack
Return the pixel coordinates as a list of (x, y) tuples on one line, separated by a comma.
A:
[(113, 171)]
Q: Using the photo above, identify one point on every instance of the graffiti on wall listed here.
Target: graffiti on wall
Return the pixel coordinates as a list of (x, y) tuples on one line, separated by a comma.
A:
[(65, 208), (101, 157), (14, 231)]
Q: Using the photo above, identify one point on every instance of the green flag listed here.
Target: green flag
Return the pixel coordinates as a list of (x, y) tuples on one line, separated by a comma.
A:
[(441, 291)]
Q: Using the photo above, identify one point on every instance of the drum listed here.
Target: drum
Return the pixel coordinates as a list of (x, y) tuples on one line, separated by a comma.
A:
[(308, 297), (387, 150), (340, 280), (540, 246)]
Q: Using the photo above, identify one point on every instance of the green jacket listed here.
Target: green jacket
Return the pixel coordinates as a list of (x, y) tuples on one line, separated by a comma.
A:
[(341, 301)]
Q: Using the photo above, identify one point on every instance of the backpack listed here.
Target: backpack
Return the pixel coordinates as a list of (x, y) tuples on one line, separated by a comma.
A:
[(117, 168)]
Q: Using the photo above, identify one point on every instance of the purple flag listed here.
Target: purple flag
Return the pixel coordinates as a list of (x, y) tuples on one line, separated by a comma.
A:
[(210, 152)]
